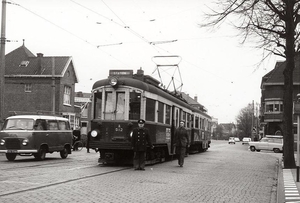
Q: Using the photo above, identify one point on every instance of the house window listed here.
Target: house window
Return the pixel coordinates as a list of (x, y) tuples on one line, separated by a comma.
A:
[(28, 87), (274, 107), (67, 95)]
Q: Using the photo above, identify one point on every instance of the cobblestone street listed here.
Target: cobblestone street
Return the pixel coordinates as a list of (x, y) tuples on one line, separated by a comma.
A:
[(225, 173)]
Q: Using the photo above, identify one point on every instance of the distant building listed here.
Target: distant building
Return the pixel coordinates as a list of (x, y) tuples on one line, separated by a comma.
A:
[(272, 98), (82, 102), (229, 130), (39, 84)]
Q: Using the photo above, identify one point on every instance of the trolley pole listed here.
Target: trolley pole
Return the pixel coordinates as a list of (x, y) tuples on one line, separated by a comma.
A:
[(2, 58)]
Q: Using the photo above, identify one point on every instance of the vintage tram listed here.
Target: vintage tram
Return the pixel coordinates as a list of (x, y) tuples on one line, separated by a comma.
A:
[(123, 98)]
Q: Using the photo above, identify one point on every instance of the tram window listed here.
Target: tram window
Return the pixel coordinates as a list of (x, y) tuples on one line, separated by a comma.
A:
[(108, 106), (160, 112), (197, 122), (98, 105), (201, 123), (176, 118), (120, 106), (168, 114), (150, 109), (134, 105), (188, 121), (184, 118)]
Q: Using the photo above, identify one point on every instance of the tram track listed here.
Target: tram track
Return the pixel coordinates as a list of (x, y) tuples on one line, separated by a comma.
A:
[(5, 194)]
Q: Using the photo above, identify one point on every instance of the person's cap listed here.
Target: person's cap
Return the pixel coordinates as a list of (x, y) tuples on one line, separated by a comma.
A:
[(141, 121)]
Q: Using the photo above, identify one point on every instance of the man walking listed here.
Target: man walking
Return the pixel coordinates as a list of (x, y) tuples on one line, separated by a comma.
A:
[(181, 142), (140, 139)]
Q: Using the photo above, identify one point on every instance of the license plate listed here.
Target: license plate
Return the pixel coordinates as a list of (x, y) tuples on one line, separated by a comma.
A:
[(12, 151)]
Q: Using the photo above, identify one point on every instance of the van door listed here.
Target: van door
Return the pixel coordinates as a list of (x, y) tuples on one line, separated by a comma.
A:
[(52, 135), (65, 135)]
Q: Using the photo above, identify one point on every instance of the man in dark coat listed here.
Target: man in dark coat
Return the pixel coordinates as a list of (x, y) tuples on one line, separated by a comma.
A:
[(139, 141), (181, 142)]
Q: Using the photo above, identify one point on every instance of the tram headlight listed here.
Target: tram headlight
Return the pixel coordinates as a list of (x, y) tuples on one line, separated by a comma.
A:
[(25, 142), (113, 81), (94, 133), (2, 142)]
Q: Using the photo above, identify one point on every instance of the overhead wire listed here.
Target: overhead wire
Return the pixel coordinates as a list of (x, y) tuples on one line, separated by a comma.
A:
[(71, 33)]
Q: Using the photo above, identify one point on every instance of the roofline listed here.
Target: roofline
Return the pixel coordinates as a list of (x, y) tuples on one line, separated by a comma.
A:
[(66, 67)]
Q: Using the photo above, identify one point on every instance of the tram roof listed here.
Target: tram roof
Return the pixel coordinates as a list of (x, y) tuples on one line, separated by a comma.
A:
[(150, 88)]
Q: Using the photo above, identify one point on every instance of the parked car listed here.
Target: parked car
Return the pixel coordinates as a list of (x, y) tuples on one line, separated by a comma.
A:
[(246, 140), (236, 139), (267, 143), (231, 140)]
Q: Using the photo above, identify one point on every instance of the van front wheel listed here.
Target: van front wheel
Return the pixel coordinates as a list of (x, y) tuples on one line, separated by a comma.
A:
[(11, 157), (64, 153), (41, 155)]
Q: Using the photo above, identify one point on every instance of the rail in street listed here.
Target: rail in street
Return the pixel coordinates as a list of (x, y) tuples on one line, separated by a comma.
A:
[(225, 173)]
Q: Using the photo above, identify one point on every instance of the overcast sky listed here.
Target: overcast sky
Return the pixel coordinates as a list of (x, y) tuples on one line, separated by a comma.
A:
[(127, 34)]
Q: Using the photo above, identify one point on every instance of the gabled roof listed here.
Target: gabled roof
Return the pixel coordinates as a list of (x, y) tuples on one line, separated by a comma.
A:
[(228, 126), (35, 66), (192, 101), (276, 77)]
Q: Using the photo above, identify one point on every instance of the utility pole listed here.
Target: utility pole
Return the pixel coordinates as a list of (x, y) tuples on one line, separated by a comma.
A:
[(2, 58)]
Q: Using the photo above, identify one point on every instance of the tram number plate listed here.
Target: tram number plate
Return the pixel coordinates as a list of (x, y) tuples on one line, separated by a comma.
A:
[(12, 151)]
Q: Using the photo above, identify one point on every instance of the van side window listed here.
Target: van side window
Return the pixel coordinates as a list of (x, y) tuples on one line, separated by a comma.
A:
[(40, 124), (63, 125), (52, 125)]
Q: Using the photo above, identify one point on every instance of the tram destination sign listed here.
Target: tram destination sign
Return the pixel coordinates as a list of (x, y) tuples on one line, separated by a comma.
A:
[(121, 73)]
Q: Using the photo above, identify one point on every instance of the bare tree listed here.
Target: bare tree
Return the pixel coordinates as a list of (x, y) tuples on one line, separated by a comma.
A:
[(244, 121), (275, 23)]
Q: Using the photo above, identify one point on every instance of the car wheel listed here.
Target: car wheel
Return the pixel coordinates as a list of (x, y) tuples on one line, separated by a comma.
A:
[(41, 155), (258, 150), (11, 157), (252, 149), (276, 150), (64, 153)]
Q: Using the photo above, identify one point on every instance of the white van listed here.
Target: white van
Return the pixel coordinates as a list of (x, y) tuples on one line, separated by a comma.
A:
[(35, 135)]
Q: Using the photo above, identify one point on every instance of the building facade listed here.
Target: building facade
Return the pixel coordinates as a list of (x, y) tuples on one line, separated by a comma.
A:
[(39, 85), (272, 89)]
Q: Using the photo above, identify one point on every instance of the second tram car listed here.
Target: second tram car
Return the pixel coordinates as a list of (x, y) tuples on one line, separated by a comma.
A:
[(123, 98)]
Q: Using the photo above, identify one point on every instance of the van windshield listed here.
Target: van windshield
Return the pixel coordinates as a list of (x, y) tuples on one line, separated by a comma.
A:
[(18, 124)]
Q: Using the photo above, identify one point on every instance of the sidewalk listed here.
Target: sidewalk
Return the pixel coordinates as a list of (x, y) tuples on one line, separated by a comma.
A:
[(288, 187)]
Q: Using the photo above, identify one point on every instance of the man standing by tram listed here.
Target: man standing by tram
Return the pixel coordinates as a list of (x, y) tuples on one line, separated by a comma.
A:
[(181, 142), (139, 141)]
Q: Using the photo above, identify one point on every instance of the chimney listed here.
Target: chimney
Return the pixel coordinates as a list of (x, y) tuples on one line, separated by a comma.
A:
[(196, 98), (140, 72), (40, 68)]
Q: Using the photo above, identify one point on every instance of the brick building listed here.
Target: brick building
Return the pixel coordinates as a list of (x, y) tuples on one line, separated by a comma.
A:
[(39, 84), (272, 98)]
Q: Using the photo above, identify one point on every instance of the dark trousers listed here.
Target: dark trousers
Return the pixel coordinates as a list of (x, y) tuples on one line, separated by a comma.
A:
[(139, 160), (181, 154)]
